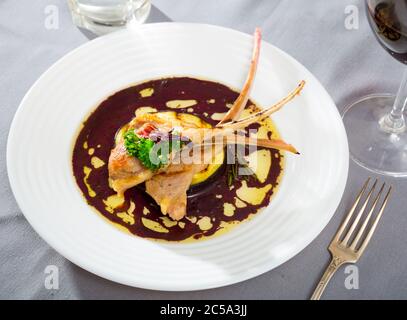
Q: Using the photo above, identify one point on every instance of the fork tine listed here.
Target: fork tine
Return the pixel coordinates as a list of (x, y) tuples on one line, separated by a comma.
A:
[(366, 221), (374, 225), (351, 211), (359, 215)]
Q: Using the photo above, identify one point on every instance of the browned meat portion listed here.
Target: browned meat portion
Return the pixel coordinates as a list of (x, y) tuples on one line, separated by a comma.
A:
[(169, 190), (125, 171)]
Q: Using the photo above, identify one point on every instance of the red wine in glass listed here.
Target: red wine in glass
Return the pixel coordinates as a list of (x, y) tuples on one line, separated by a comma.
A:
[(388, 19), (376, 125)]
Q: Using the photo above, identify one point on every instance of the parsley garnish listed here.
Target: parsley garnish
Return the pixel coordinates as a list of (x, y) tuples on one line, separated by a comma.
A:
[(153, 155), (140, 148)]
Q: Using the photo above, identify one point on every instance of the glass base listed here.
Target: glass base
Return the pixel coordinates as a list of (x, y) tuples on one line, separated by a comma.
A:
[(371, 145), (101, 20)]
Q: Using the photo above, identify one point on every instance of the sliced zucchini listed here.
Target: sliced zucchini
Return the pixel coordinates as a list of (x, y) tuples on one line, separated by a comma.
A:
[(204, 175)]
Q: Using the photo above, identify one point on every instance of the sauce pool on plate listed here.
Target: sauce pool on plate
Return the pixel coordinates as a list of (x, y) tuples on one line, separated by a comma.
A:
[(215, 205)]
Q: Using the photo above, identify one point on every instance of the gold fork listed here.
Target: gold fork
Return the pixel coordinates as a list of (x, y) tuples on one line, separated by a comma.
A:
[(341, 248)]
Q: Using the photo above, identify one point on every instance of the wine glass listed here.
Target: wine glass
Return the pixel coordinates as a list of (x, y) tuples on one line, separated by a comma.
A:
[(375, 125)]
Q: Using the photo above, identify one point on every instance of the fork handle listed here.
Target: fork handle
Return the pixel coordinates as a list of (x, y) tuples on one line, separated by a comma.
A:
[(336, 262)]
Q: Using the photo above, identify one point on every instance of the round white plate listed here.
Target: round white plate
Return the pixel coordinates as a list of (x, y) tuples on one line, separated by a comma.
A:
[(47, 121)]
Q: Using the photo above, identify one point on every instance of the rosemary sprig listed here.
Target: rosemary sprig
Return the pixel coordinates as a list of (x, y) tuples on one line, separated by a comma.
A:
[(239, 163)]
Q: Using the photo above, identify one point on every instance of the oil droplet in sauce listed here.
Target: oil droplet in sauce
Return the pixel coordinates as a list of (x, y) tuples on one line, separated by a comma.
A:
[(147, 92), (204, 223), (246, 112), (168, 222), (143, 110), (153, 225), (262, 133), (254, 196), (259, 162), (228, 209), (113, 202), (87, 171), (97, 162), (131, 208), (239, 203), (128, 217), (180, 104), (192, 219), (217, 116)]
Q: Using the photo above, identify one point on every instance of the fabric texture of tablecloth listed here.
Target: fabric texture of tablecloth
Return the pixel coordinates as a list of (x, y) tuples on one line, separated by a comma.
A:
[(349, 63)]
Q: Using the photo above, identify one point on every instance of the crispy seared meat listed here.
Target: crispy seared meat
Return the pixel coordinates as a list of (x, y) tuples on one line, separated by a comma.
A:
[(169, 190)]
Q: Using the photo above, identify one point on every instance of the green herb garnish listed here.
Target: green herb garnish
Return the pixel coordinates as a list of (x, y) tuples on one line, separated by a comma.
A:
[(153, 155), (141, 148)]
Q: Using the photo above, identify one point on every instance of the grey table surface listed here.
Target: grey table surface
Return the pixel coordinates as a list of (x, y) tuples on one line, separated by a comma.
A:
[(349, 63)]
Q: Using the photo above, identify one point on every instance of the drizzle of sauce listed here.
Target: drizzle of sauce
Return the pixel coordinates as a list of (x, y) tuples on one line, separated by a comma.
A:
[(213, 207)]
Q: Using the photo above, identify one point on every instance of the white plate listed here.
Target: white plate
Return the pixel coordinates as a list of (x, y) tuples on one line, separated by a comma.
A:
[(46, 123)]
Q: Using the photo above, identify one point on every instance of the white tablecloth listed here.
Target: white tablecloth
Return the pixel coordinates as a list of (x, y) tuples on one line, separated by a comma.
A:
[(349, 63)]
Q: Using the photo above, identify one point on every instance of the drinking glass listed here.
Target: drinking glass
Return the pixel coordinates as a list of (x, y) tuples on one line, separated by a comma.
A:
[(104, 16), (375, 125)]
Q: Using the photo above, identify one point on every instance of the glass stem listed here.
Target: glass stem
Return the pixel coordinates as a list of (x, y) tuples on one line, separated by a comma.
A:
[(394, 122)]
